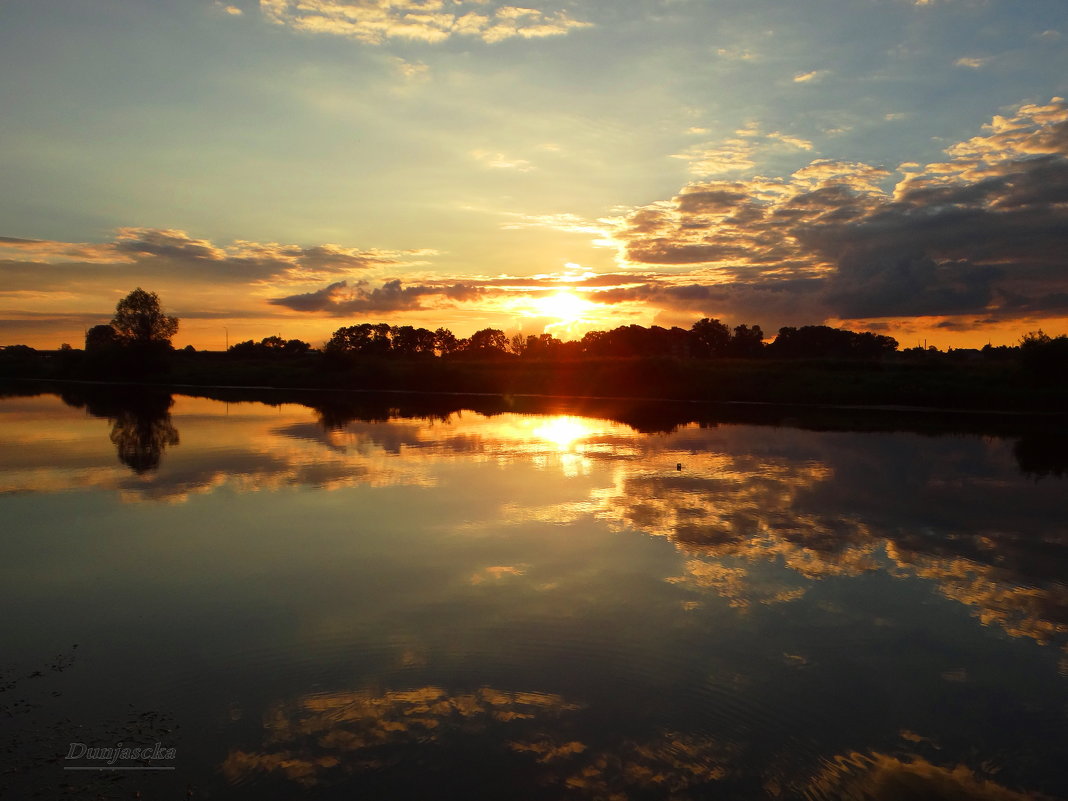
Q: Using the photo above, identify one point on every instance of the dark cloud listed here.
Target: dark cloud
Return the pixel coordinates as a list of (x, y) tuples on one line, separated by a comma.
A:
[(45, 322), (153, 254), (981, 234), (720, 200), (769, 302), (556, 282), (314, 301), (876, 285), (166, 243), (341, 299)]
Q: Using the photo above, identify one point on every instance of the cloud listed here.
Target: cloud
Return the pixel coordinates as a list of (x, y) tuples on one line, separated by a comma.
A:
[(499, 161), (504, 293), (981, 233), (340, 299), (165, 253), (736, 54), (971, 62), (569, 223), (411, 70), (378, 21), (738, 153), (811, 77)]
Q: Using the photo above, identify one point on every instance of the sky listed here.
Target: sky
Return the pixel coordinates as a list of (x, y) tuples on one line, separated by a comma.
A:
[(288, 167)]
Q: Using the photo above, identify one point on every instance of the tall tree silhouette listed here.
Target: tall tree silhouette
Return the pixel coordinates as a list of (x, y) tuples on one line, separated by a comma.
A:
[(140, 320)]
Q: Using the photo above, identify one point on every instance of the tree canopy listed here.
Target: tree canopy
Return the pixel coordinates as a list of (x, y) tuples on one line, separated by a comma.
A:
[(140, 320), (706, 339)]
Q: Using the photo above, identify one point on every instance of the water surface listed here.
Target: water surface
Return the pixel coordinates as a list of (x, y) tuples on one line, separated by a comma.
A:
[(355, 600)]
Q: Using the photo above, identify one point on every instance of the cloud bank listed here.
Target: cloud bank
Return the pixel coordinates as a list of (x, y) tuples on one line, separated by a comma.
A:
[(147, 253), (339, 299), (982, 233)]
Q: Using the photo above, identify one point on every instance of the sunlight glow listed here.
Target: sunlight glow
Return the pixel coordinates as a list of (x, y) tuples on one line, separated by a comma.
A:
[(564, 432), (567, 307)]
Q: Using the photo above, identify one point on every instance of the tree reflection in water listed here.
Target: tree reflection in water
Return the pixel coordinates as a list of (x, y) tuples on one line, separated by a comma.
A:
[(141, 427), (141, 434)]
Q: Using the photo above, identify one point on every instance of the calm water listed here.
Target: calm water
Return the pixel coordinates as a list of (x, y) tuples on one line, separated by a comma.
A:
[(352, 602)]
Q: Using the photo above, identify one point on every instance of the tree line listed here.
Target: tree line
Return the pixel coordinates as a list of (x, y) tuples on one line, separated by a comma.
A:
[(140, 333), (706, 338), (141, 325)]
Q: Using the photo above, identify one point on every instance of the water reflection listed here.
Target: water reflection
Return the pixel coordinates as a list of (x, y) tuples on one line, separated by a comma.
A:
[(314, 738), (757, 623), (948, 510), (883, 777), (141, 423), (1043, 454), (318, 739), (539, 740), (142, 433)]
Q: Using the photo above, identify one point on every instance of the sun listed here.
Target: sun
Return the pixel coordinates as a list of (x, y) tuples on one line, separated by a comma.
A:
[(567, 307)]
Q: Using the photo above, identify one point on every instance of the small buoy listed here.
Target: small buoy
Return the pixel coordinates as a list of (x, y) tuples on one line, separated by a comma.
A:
[(678, 466)]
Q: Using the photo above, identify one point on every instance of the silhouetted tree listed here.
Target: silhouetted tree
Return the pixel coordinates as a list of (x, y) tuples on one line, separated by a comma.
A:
[(1045, 357), (445, 342), (270, 347), (998, 352), (349, 339), (1033, 339), (407, 340), (488, 342), (20, 361), (382, 339), (542, 346), (594, 343), (141, 339), (140, 320), (710, 337), (824, 342), (746, 342), (101, 338)]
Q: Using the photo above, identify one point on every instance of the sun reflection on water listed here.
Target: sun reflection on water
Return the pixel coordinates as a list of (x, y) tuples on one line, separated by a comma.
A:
[(564, 432)]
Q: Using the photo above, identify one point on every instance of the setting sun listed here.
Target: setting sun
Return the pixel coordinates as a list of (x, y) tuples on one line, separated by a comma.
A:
[(567, 307)]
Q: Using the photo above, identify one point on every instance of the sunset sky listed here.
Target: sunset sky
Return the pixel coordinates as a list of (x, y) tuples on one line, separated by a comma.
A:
[(292, 166)]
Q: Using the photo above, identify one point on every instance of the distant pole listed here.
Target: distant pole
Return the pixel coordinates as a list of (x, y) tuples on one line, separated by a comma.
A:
[(227, 330)]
